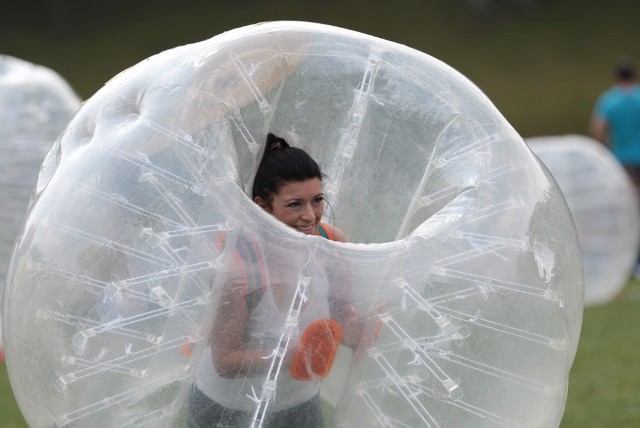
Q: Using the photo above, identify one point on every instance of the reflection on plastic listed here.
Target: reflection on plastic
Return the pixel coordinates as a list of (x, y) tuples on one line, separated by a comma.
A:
[(604, 206), (460, 298)]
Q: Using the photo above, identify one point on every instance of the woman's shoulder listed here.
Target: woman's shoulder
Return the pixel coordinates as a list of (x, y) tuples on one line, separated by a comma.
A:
[(332, 233)]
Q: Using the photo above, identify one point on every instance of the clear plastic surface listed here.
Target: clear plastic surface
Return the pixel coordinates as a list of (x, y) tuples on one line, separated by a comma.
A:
[(604, 205), (35, 105), (462, 278)]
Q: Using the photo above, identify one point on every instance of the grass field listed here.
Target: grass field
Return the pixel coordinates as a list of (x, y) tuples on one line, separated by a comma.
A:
[(604, 384), (542, 68), (10, 416)]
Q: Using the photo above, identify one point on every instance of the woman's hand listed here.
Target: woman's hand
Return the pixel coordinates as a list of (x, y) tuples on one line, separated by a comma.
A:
[(359, 330)]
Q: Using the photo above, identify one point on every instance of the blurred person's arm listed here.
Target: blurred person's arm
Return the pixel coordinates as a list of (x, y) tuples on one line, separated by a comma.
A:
[(598, 129)]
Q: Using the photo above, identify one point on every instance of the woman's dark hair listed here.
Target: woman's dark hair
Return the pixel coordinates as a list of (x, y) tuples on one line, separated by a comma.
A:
[(282, 164)]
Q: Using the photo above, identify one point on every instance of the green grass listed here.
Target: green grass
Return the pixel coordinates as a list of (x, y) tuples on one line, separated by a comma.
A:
[(10, 416), (604, 382)]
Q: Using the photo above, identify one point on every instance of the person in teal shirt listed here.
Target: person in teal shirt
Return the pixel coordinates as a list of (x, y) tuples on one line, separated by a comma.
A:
[(616, 119)]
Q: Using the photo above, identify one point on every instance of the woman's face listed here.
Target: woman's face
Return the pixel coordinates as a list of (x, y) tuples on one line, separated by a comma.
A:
[(299, 204)]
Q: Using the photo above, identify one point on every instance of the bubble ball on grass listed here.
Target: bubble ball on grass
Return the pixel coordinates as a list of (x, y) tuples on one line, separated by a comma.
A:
[(35, 105), (604, 206), (463, 264)]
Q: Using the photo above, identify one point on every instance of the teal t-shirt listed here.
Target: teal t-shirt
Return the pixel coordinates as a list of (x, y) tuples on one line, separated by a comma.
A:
[(620, 109)]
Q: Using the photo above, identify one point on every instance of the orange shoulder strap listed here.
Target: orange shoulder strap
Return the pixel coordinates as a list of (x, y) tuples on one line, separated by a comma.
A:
[(325, 231)]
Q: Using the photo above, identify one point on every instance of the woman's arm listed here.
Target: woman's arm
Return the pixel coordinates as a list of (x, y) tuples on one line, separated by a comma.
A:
[(230, 357), (343, 311), (349, 318)]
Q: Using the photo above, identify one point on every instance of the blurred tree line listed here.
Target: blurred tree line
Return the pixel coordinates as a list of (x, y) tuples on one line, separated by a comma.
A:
[(69, 16), (541, 62), (63, 16)]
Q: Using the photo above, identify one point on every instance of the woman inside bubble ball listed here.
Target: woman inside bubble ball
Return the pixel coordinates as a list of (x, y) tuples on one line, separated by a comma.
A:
[(288, 185)]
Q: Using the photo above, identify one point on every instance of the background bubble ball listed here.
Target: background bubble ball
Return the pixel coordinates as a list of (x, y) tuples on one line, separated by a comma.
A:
[(35, 105), (604, 205)]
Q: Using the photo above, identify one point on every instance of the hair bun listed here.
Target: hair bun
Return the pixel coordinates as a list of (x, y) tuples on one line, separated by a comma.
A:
[(275, 143)]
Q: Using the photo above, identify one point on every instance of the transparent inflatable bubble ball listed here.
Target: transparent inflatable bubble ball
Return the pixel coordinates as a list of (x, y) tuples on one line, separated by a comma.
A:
[(462, 278), (36, 103), (604, 205)]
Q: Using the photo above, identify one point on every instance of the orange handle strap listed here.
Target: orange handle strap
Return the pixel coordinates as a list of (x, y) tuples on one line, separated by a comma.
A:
[(317, 350)]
